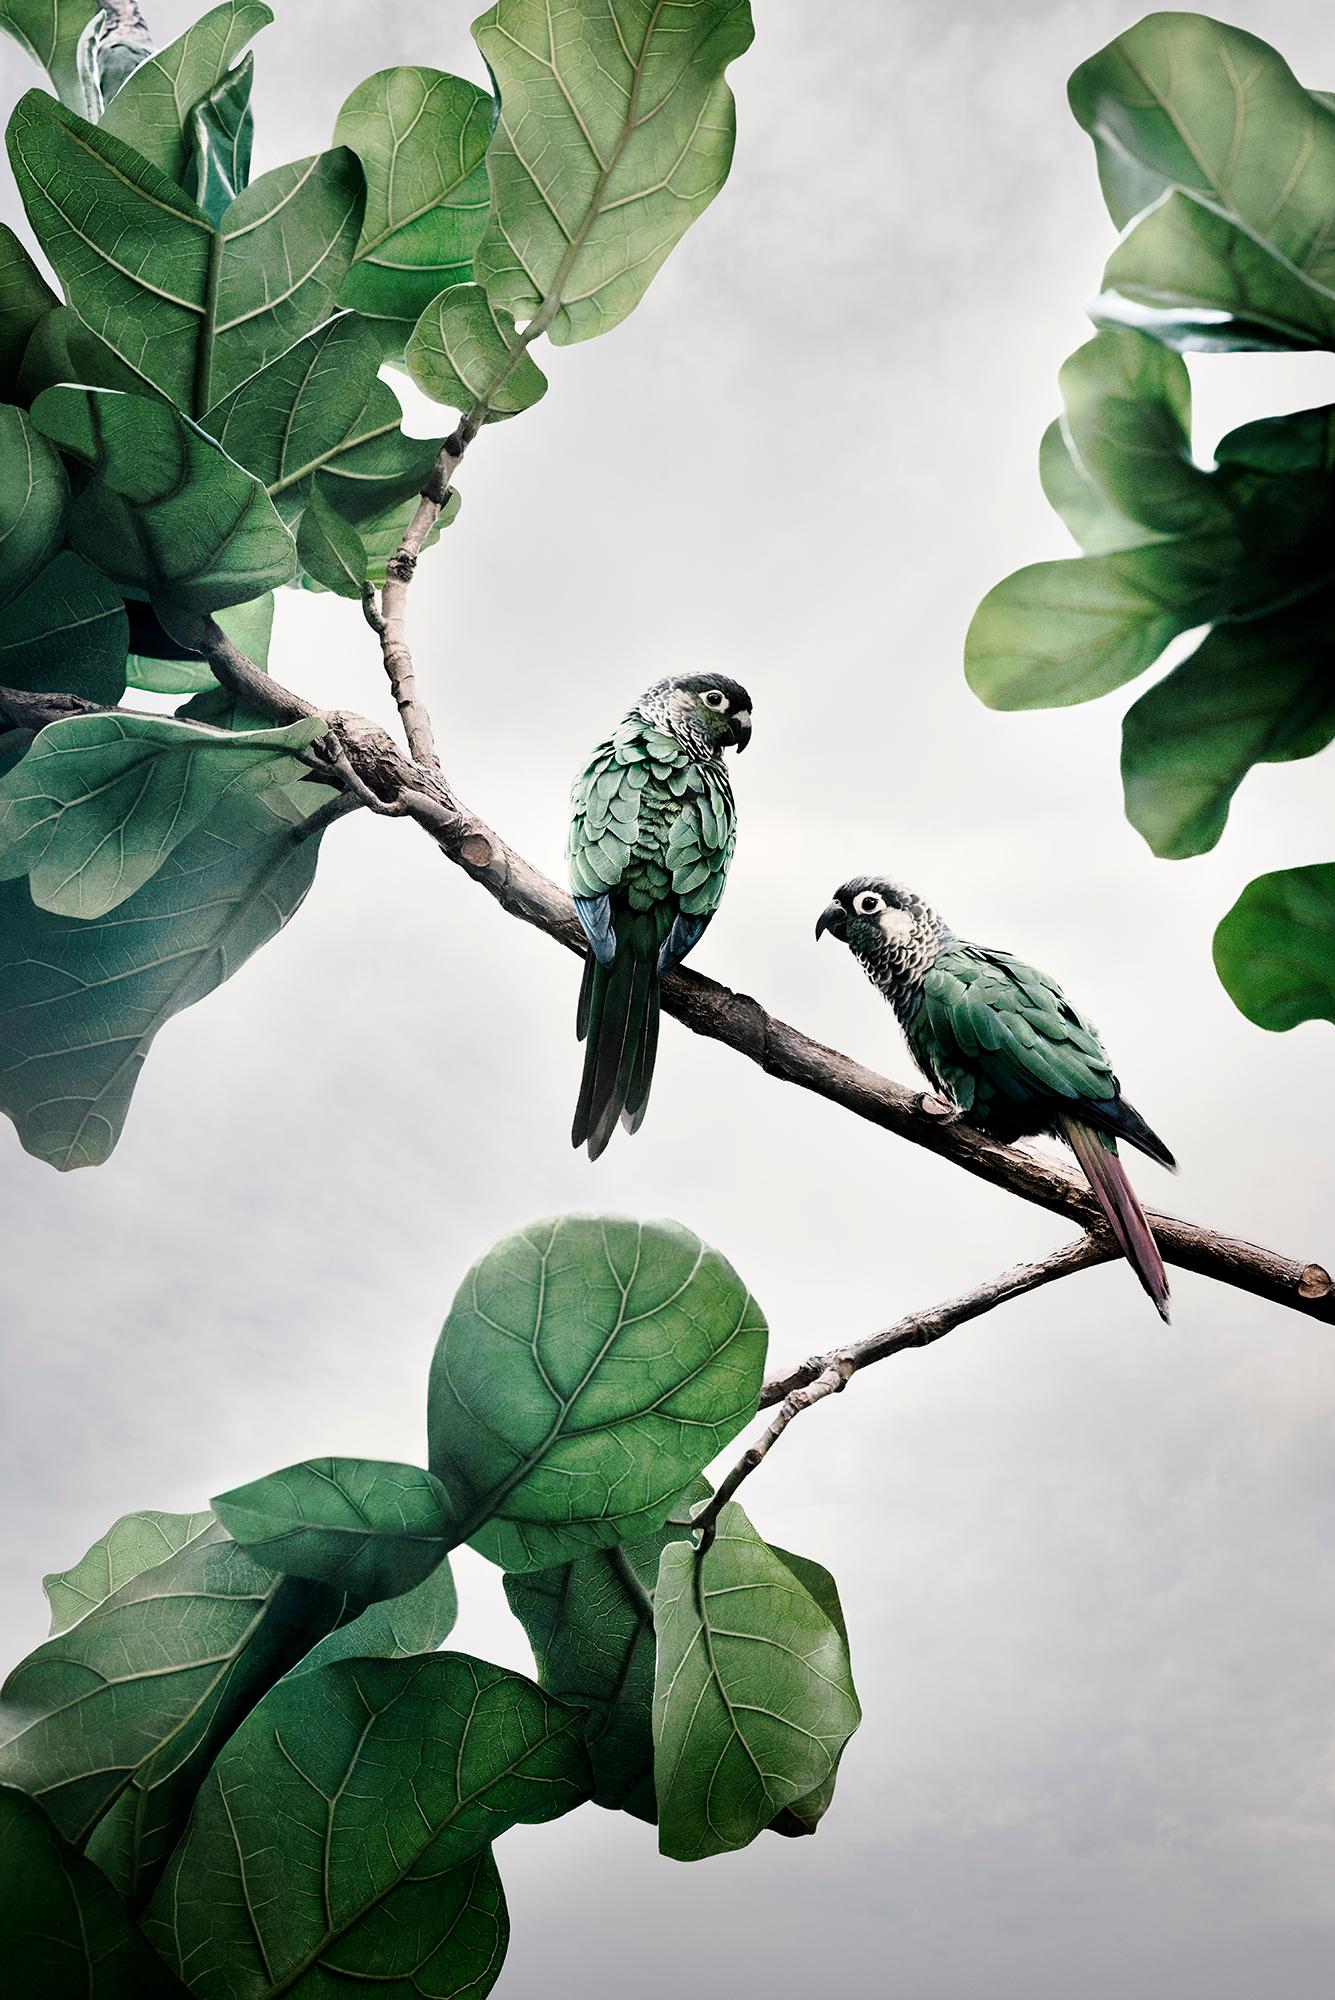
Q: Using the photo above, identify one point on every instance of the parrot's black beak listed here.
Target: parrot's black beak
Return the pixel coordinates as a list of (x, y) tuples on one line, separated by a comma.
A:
[(834, 919), (741, 729)]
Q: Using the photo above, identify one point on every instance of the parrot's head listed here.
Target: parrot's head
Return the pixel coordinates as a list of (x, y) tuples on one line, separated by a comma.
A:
[(892, 932), (707, 713)]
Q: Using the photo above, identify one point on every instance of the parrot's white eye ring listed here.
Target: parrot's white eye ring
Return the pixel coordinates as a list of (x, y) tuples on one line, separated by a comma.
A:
[(714, 698), (868, 903)]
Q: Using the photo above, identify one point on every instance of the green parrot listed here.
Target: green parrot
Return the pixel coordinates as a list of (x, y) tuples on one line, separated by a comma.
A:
[(1005, 1045), (652, 830)]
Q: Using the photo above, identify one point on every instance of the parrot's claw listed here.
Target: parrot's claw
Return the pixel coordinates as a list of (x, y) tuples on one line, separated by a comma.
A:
[(940, 1108)]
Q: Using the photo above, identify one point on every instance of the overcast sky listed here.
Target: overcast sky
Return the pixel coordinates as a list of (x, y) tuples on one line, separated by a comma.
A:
[(1087, 1561)]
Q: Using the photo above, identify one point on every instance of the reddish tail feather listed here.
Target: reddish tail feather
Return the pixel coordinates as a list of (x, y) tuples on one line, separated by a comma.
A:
[(1126, 1218)]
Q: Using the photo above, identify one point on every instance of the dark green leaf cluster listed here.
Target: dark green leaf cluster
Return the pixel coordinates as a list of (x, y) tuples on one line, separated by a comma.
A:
[(1219, 169), (231, 433), (240, 1762)]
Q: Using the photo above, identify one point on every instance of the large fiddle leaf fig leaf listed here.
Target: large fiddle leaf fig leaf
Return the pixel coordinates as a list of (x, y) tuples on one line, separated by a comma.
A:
[(167, 513), (219, 138), (465, 352), (1128, 424), (152, 109), (64, 1932), (1275, 950), (1063, 632), (34, 493), (62, 349), (1197, 281), (1092, 519), (130, 1546), (421, 137), (591, 1626), (192, 308), (417, 1622), (112, 1724), (754, 1698), (1257, 692), (99, 802), (25, 300), (321, 408), (66, 633), (80, 1001), (615, 132), (330, 550), (589, 1368), (49, 30), (1181, 101), (373, 1528), (451, 1751)]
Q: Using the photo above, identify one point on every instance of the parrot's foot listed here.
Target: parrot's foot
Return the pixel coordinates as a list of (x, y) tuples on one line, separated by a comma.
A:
[(939, 1108)]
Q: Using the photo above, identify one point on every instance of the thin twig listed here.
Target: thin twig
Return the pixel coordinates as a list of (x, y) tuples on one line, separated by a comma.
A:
[(710, 1009), (827, 1374), (392, 619)]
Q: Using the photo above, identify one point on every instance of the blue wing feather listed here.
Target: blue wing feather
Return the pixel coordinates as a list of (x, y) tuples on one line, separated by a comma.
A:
[(595, 916)]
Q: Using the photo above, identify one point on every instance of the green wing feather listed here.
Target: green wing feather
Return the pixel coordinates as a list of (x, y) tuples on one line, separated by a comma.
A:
[(1000, 1034)]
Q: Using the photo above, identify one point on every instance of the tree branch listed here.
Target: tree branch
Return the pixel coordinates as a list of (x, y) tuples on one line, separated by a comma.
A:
[(390, 622), (710, 1009), (828, 1374)]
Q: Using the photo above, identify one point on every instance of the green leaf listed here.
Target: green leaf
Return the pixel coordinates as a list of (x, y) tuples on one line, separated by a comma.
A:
[(320, 408), (1197, 281), (49, 30), (462, 345), (111, 1725), (754, 1698), (421, 137), (417, 1622), (80, 1002), (99, 802), (25, 300), (63, 350), (1258, 692), (1182, 101), (1275, 950), (219, 137), (1093, 521), (329, 548), (135, 1543), (591, 1626), (1128, 423), (389, 1779), (34, 493), (615, 132), (589, 1367), (1063, 632), (167, 512), (193, 310), (64, 1932), (151, 110), (66, 633), (372, 1528), (804, 1815)]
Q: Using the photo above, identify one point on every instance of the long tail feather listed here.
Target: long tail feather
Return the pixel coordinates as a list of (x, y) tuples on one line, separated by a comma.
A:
[(618, 1012), (1117, 1198)]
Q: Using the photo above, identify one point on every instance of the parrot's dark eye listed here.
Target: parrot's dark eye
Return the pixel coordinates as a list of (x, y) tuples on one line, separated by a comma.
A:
[(868, 903), (714, 699)]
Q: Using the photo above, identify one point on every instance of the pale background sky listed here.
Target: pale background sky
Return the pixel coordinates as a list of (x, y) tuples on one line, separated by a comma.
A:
[(1088, 1563)]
